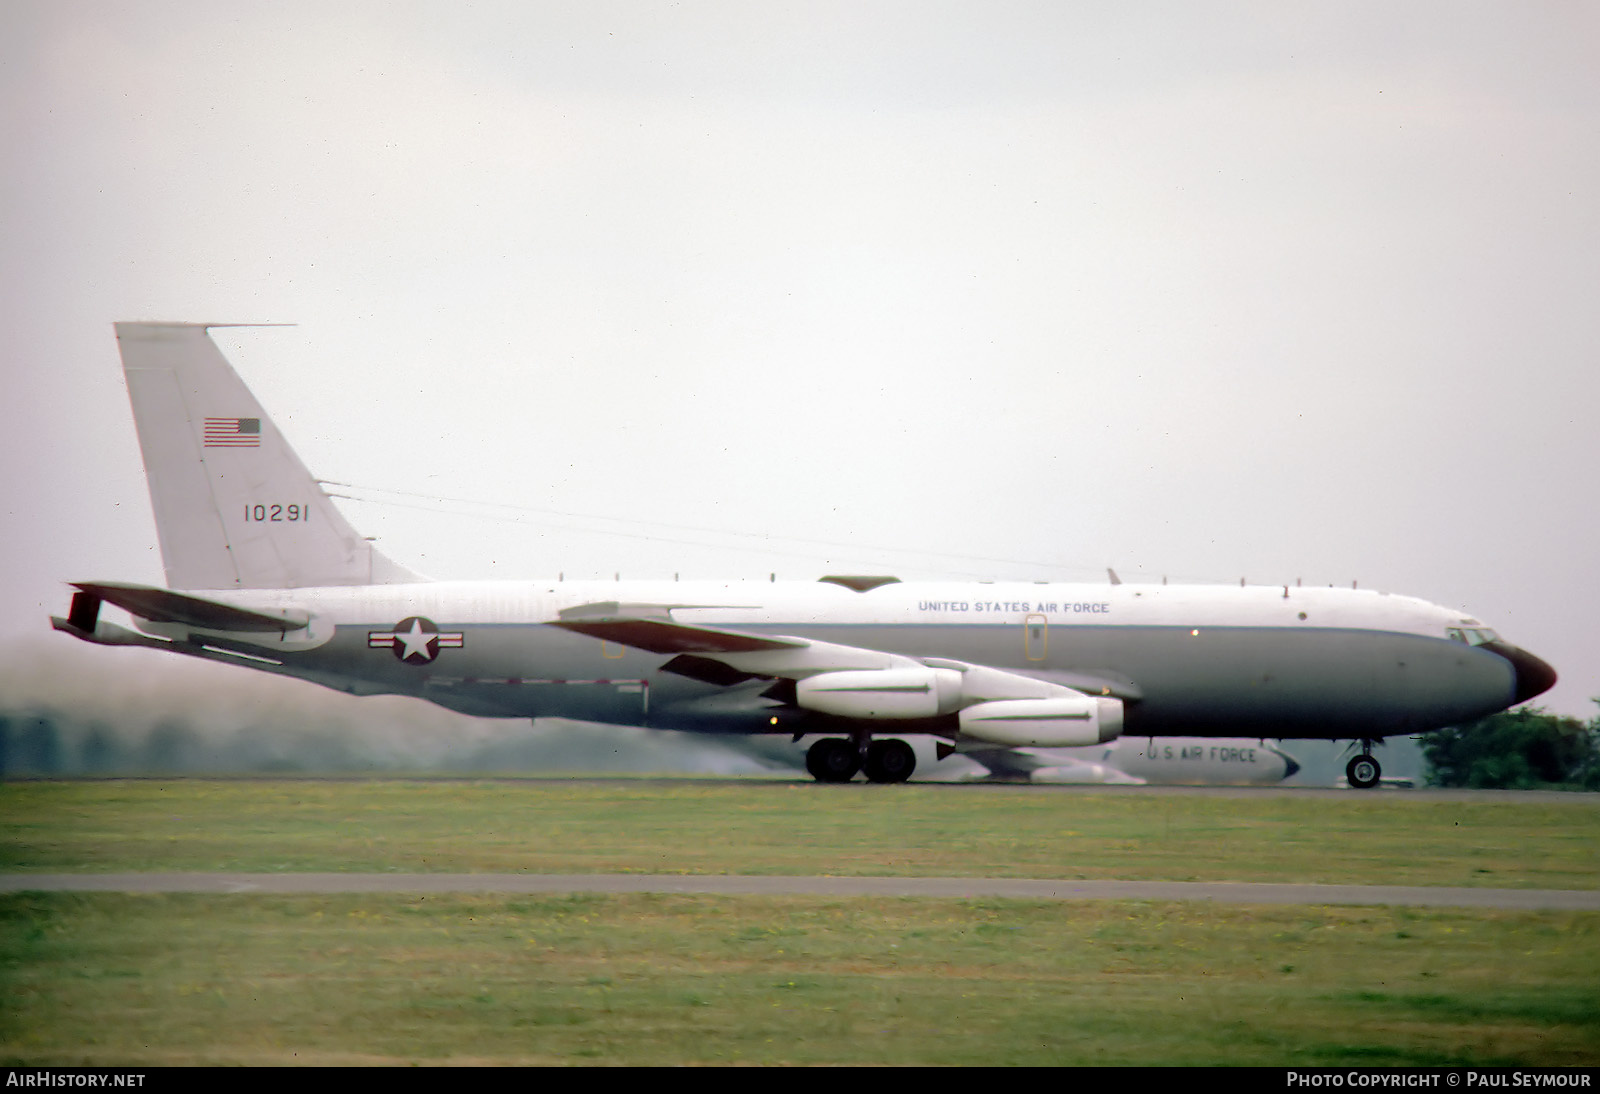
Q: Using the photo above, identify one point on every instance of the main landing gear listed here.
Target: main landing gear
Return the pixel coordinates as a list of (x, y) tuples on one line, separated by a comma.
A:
[(837, 759), (1364, 771)]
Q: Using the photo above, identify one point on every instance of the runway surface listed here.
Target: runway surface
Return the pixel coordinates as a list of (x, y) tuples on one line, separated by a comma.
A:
[(1221, 892)]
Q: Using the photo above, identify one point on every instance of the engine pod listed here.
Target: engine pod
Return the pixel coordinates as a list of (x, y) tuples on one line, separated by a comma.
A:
[(1059, 722), (916, 692)]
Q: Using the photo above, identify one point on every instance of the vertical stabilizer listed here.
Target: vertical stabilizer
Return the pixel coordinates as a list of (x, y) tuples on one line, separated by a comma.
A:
[(234, 506)]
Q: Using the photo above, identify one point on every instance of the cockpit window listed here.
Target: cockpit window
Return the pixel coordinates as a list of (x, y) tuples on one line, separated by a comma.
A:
[(1472, 636)]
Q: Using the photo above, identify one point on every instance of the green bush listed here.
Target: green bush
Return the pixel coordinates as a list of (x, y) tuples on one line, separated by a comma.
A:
[(1517, 750)]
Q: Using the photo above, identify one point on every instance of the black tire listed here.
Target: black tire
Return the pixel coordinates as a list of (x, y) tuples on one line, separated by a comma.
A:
[(890, 761), (833, 760), (1363, 772)]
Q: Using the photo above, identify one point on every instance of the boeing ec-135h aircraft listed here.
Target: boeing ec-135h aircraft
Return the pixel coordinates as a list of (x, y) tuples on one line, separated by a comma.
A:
[(263, 571)]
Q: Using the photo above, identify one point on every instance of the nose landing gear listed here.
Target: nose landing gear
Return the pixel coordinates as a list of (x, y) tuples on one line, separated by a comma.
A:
[(1364, 771)]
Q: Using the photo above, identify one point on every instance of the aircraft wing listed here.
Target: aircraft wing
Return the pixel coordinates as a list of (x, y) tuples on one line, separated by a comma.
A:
[(853, 682), (166, 606), (651, 627)]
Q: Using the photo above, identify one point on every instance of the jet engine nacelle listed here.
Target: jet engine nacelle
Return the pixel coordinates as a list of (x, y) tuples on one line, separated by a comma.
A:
[(914, 692), (1057, 722), (994, 706)]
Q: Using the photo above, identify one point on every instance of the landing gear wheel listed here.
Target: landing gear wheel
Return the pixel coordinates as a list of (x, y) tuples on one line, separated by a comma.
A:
[(1363, 772), (889, 761), (833, 760)]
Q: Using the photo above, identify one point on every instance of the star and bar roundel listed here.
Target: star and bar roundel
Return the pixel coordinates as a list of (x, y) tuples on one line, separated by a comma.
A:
[(415, 640)]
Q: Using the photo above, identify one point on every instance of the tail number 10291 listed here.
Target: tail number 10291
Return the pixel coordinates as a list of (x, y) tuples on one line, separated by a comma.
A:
[(274, 513)]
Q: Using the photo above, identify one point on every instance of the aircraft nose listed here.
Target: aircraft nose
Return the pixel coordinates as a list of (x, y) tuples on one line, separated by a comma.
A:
[(1534, 675)]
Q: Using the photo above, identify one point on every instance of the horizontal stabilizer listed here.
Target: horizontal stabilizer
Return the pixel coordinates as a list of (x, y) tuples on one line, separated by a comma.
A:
[(166, 606)]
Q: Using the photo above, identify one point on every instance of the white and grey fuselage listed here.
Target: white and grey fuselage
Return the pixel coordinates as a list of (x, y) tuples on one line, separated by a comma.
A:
[(1269, 661)]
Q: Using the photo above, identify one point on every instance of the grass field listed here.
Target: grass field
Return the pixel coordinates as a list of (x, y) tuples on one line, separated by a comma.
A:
[(761, 827), (656, 979)]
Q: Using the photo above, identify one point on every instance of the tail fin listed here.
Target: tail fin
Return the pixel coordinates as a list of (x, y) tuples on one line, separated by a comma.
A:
[(234, 506)]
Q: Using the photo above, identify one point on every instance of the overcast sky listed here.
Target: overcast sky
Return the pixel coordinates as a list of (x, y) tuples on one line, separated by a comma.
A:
[(1017, 290)]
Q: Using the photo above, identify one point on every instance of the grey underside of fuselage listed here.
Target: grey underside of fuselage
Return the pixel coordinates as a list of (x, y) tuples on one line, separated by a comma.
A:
[(1224, 681)]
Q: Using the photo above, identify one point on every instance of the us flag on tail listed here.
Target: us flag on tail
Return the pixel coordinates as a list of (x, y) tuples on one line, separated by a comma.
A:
[(233, 433)]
